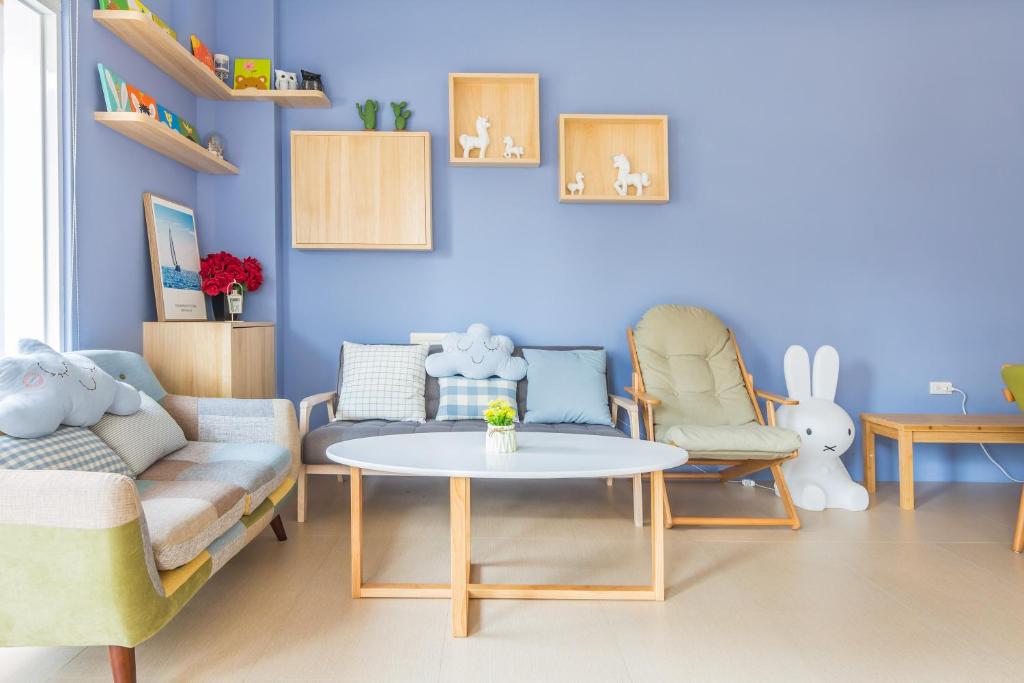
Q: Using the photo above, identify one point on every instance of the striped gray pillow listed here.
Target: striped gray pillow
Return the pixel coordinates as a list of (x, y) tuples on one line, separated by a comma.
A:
[(143, 438), (68, 448)]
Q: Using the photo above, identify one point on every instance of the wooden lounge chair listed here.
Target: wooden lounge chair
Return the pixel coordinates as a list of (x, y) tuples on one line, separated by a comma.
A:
[(1013, 375), (695, 393)]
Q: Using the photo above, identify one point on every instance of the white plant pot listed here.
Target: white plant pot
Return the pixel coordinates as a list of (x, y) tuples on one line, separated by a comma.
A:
[(501, 439)]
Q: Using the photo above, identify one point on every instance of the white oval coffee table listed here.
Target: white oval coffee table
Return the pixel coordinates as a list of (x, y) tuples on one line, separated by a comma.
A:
[(460, 456)]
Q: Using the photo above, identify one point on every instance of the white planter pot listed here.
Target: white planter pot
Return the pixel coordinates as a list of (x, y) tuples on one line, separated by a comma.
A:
[(501, 439)]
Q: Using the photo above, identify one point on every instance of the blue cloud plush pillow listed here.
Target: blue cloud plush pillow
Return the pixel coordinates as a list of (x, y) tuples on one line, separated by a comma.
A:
[(566, 386), (477, 354)]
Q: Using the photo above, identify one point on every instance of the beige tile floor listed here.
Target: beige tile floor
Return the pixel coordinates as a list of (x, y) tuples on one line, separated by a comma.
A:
[(884, 595)]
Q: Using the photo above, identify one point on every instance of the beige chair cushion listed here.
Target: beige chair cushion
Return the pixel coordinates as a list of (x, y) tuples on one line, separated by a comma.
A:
[(743, 442)]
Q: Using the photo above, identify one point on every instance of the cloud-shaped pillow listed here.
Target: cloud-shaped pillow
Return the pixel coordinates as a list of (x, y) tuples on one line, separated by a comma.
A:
[(476, 354), (41, 389)]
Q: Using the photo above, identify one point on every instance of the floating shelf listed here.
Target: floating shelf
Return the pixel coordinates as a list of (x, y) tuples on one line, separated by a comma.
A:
[(587, 143), (162, 139), (153, 43), (511, 103)]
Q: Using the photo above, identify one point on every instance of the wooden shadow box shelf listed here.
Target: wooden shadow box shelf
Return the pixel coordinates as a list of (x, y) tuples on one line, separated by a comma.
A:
[(159, 138), (587, 143), (153, 43), (511, 103)]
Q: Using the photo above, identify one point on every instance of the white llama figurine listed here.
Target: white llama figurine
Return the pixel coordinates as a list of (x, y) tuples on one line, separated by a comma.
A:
[(625, 179), (818, 479), (510, 150), (479, 142), (577, 187)]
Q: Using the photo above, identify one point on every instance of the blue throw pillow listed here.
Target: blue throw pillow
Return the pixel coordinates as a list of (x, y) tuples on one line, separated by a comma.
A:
[(466, 399), (566, 386)]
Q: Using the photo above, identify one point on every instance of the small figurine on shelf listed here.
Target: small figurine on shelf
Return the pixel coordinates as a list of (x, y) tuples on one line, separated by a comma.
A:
[(480, 141), (368, 113), (311, 81), (625, 179), (510, 150), (215, 145), (222, 67), (401, 114), (285, 80), (577, 187)]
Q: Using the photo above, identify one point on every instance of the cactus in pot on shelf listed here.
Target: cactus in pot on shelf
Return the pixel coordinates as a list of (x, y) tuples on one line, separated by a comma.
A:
[(368, 114), (401, 114), (501, 428)]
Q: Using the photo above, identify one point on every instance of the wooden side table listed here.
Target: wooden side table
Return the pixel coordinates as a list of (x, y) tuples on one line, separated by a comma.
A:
[(907, 429), (212, 359)]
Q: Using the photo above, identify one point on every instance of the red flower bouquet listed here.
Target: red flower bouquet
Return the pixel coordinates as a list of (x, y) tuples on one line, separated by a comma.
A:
[(222, 271)]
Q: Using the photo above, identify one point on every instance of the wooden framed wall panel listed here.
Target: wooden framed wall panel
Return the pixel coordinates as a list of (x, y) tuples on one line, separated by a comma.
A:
[(361, 190), (510, 101), (587, 143)]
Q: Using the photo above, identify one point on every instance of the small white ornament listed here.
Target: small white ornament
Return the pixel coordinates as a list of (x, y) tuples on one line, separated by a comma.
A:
[(577, 187), (510, 150), (818, 479), (625, 179), (285, 80), (479, 142)]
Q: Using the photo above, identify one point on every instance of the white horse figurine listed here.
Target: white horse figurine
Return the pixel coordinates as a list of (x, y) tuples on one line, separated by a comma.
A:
[(479, 142), (510, 150), (625, 179), (577, 187)]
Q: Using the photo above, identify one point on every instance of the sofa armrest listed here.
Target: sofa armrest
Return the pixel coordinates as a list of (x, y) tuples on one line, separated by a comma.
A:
[(632, 409), (237, 420), (77, 563), (306, 409)]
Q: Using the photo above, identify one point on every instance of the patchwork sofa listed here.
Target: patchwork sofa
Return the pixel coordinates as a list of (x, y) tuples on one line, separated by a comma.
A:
[(97, 558), (315, 442)]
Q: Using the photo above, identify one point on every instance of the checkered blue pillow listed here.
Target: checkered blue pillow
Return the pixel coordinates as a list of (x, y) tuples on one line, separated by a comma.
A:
[(68, 448), (466, 399)]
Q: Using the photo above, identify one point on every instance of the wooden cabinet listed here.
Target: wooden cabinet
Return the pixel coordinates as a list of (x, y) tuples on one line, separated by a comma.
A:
[(361, 190), (212, 359)]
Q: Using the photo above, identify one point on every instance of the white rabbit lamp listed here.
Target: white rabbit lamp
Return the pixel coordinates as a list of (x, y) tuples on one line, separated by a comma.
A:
[(818, 479)]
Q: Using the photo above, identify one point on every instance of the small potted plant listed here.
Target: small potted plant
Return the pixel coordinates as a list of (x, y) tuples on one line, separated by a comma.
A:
[(501, 427), (226, 278)]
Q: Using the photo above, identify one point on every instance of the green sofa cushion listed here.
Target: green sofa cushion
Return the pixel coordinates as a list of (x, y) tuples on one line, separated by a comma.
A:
[(750, 441)]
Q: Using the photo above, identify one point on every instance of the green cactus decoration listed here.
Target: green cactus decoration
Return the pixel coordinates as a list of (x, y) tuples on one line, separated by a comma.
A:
[(368, 114), (401, 114)]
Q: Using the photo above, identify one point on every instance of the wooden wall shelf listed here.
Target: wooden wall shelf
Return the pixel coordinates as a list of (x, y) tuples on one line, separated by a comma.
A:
[(511, 102), (162, 139), (587, 143), (361, 190), (153, 43)]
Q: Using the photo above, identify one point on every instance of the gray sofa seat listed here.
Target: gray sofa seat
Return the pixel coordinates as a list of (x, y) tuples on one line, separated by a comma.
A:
[(314, 446)]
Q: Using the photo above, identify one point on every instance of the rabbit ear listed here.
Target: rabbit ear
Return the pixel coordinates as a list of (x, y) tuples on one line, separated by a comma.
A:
[(797, 368), (826, 373)]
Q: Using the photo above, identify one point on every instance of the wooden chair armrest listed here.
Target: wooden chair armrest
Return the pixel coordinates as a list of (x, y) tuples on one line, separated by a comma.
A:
[(642, 397), (1008, 395), (632, 409), (781, 400), (306, 409)]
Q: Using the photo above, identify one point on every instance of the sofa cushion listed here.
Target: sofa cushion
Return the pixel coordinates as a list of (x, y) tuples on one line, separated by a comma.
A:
[(732, 441), (383, 381), (68, 448), (184, 517), (257, 468), (314, 446), (467, 399), (567, 386), (143, 438)]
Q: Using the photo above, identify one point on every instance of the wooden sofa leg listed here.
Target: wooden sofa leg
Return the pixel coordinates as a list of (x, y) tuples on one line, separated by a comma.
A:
[(300, 513), (122, 663), (277, 524)]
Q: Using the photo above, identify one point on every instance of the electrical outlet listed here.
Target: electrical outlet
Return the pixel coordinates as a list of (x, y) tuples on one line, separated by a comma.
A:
[(940, 387)]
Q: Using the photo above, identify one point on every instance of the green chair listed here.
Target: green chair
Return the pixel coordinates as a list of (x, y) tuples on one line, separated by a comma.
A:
[(695, 393), (1013, 375)]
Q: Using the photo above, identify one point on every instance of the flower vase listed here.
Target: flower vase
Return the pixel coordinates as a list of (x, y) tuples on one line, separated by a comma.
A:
[(501, 439), (222, 307)]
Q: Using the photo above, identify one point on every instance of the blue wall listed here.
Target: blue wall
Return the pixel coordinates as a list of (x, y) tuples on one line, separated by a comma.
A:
[(842, 172)]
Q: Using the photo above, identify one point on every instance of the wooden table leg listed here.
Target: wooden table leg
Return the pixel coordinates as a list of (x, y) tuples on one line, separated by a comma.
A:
[(868, 435), (906, 455), (638, 500), (356, 496), (1018, 536), (459, 498), (658, 535)]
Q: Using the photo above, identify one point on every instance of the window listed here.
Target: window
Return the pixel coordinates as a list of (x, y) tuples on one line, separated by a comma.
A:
[(30, 258)]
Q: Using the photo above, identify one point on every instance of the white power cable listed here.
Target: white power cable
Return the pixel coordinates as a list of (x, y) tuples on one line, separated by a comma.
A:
[(963, 409)]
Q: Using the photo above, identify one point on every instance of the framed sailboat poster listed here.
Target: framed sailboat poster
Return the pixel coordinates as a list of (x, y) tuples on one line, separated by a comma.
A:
[(174, 253)]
